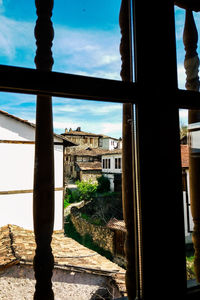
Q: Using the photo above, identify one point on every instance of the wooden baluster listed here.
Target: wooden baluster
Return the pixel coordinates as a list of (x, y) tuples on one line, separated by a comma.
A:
[(191, 63), (127, 155), (43, 197)]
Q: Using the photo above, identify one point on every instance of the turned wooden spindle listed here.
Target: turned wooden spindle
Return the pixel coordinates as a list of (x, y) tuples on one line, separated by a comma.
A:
[(43, 196), (188, 4), (191, 63), (127, 155)]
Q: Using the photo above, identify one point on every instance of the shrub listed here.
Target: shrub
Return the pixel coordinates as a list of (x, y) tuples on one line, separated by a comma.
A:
[(103, 184), (86, 189), (71, 196)]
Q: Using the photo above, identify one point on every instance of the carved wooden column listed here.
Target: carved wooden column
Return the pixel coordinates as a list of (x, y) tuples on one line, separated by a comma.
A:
[(43, 197), (191, 63), (127, 156)]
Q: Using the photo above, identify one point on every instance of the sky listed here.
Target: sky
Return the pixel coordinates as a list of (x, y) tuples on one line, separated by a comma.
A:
[(86, 42)]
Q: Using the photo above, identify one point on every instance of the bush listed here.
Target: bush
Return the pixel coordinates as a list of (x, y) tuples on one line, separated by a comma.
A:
[(71, 197), (103, 184), (86, 189)]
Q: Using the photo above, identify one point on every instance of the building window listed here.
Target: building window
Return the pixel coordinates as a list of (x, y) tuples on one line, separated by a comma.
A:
[(118, 163), (106, 163), (109, 163)]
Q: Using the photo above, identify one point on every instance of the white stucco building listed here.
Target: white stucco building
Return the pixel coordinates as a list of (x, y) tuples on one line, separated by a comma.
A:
[(17, 143), (109, 143), (112, 166)]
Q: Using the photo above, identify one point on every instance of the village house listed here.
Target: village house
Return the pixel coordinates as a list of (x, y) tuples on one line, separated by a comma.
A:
[(112, 168), (189, 225), (80, 137), (109, 143), (83, 163), (17, 146)]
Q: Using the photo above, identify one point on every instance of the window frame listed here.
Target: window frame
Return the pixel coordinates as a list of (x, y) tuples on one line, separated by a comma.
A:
[(37, 82)]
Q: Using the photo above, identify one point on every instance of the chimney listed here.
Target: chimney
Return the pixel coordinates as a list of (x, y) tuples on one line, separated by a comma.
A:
[(78, 129), (66, 130)]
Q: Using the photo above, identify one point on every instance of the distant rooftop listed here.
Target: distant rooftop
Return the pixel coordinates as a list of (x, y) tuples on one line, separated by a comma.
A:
[(79, 132), (83, 150)]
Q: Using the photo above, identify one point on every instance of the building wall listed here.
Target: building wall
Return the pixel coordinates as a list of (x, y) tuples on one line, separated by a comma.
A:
[(17, 172), (112, 168), (187, 210), (108, 143), (90, 176), (10, 129), (84, 140)]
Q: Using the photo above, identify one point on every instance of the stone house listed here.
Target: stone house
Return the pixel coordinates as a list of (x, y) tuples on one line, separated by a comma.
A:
[(83, 162), (83, 138), (17, 146)]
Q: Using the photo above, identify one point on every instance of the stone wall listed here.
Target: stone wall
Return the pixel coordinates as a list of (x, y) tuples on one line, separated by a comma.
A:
[(90, 176), (102, 236)]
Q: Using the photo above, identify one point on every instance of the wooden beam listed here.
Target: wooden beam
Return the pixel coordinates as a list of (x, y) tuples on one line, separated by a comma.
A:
[(25, 191), (30, 81)]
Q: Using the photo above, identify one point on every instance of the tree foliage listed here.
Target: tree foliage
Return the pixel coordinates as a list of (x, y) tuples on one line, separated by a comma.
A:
[(103, 184), (86, 189)]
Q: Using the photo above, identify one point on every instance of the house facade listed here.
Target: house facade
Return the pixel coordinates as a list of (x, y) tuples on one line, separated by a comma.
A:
[(109, 143), (83, 163), (83, 138), (17, 146), (112, 168)]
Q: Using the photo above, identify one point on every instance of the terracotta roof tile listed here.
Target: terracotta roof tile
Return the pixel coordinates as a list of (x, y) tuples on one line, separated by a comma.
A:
[(87, 166), (184, 156), (85, 151), (17, 245)]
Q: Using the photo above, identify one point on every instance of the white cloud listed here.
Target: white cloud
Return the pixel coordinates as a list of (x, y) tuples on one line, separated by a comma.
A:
[(181, 76), (16, 35), (90, 108), (87, 52)]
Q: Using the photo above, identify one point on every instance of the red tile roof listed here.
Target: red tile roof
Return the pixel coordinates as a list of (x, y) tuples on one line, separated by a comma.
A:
[(184, 156), (89, 166), (17, 246)]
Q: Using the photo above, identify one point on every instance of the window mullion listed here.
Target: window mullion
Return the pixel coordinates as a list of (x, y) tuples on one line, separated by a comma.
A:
[(43, 195), (158, 145)]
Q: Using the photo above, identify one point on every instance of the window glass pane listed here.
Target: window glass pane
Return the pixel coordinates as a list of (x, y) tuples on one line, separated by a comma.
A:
[(17, 42), (86, 41), (190, 148), (75, 119), (87, 38), (191, 65)]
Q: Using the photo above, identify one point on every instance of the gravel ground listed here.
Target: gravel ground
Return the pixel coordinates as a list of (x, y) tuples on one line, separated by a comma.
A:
[(17, 283)]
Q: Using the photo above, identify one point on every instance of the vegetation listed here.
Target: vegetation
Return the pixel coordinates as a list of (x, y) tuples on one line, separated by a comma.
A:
[(190, 267), (103, 184), (86, 189), (183, 130), (101, 204)]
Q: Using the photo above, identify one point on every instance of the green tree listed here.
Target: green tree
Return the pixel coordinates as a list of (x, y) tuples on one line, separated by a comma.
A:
[(103, 184), (86, 189)]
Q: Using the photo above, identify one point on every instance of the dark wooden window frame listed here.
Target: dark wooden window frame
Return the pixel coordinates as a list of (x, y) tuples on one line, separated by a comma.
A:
[(157, 99)]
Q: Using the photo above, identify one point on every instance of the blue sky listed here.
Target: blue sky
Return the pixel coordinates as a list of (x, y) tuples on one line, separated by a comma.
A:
[(87, 37)]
